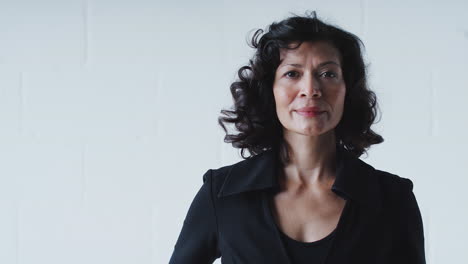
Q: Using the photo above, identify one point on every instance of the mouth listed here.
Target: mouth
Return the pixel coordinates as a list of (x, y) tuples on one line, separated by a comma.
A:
[(310, 113)]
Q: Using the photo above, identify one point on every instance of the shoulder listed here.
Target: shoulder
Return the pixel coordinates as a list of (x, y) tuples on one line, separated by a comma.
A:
[(394, 188), (393, 181), (249, 174), (217, 175)]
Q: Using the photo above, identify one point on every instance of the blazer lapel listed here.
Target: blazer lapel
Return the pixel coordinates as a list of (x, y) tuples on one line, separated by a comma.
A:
[(281, 255), (356, 180)]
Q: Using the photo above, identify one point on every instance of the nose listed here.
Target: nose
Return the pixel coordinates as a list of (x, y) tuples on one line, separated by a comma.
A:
[(311, 87)]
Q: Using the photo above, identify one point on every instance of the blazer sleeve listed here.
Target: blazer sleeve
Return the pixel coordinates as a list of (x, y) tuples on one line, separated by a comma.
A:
[(413, 238), (198, 239)]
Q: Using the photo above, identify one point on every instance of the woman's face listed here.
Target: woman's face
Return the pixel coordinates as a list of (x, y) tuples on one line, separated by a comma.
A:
[(309, 76)]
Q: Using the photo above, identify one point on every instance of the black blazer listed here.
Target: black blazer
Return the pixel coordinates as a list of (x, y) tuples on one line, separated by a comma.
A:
[(229, 216)]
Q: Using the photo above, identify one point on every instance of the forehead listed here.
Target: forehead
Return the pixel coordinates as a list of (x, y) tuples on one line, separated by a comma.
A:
[(317, 50)]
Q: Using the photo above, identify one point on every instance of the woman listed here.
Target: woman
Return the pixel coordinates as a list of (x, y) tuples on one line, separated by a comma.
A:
[(304, 111)]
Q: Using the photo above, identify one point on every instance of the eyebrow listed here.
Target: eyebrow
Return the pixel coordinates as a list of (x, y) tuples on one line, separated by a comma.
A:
[(320, 65)]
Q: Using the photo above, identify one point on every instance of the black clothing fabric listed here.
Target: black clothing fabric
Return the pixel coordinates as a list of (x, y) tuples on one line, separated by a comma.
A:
[(308, 252), (229, 216)]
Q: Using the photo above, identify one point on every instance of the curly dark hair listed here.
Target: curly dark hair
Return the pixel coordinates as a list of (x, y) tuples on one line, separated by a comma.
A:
[(254, 111)]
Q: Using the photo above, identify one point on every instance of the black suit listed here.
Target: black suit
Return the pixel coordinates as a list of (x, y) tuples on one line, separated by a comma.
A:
[(228, 217)]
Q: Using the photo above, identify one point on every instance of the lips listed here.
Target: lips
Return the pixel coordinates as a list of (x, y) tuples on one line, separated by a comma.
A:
[(310, 109)]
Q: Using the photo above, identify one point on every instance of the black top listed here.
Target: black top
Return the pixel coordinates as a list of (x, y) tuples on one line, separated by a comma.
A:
[(307, 253), (228, 217)]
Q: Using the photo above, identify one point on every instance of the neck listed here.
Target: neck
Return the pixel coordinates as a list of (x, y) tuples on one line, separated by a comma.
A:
[(311, 159)]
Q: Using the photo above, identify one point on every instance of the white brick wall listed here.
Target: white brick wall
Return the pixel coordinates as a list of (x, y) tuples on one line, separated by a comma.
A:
[(107, 108)]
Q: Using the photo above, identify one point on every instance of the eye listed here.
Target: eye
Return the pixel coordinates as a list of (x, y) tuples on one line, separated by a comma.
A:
[(294, 74), (328, 74)]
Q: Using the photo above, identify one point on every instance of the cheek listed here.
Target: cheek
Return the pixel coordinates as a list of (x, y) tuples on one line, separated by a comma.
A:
[(342, 97), (335, 99), (339, 100), (336, 95), (282, 97)]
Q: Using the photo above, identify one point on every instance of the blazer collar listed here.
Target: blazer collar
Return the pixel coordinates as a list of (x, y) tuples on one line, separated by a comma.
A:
[(354, 180)]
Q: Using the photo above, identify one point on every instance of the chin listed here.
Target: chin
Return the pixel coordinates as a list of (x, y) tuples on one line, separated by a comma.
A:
[(309, 133), (314, 132)]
